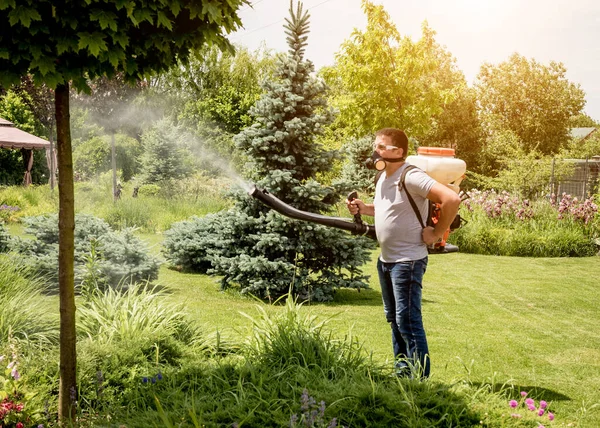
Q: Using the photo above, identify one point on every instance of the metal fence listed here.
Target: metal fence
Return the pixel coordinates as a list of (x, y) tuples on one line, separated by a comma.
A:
[(584, 182)]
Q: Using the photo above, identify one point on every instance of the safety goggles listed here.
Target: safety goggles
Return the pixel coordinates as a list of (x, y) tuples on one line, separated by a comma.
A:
[(379, 146)]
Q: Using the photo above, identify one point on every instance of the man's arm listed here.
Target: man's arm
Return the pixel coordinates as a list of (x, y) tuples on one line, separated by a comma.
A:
[(449, 203)]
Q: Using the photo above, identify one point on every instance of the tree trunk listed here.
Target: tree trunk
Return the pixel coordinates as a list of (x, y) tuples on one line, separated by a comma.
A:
[(52, 160), (113, 159), (67, 396)]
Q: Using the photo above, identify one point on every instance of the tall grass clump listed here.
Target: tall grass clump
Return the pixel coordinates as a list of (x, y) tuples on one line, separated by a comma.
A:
[(125, 337), (155, 207), (294, 337), (506, 225), (17, 202), (23, 310)]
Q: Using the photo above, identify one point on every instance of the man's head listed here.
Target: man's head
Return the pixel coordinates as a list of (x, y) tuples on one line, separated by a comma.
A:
[(394, 137)]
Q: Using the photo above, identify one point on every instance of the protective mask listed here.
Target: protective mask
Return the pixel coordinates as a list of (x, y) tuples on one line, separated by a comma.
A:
[(379, 163)]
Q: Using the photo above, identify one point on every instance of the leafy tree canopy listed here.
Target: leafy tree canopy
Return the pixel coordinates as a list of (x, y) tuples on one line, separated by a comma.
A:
[(62, 41), (533, 100), (382, 79)]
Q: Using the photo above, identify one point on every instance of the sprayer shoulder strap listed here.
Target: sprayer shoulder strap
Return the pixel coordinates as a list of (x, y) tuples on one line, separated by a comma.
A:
[(410, 198)]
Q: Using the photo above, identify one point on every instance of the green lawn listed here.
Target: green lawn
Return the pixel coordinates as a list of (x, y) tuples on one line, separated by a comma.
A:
[(528, 322)]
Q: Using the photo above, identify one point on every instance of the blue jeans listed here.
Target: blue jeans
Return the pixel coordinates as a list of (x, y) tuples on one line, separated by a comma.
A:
[(401, 290)]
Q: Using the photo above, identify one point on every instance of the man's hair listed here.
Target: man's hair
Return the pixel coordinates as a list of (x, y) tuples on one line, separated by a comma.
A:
[(398, 137)]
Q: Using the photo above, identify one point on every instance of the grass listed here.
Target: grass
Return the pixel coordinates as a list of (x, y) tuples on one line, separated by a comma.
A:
[(529, 322)]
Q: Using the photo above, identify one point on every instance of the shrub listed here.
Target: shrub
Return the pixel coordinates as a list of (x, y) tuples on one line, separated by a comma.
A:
[(149, 190), (502, 224), (121, 257), (255, 248)]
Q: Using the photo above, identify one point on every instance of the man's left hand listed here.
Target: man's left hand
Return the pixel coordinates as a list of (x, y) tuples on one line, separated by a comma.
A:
[(429, 236)]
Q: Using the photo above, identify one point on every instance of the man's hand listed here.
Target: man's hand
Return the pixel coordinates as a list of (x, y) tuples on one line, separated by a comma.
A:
[(429, 236), (357, 206)]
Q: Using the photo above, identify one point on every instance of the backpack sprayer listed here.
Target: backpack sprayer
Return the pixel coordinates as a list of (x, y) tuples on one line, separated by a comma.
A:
[(439, 163)]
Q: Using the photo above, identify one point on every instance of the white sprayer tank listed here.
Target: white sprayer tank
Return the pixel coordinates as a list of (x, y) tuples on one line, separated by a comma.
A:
[(441, 165)]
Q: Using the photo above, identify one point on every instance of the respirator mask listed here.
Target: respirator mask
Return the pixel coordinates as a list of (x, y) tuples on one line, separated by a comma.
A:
[(378, 162)]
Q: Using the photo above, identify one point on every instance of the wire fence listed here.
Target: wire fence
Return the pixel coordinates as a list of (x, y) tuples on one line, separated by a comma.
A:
[(583, 183)]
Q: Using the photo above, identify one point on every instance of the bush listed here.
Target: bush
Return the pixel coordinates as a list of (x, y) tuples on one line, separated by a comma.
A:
[(501, 224), (118, 257)]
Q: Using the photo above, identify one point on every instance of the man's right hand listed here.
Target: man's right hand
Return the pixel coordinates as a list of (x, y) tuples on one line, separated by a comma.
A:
[(356, 206)]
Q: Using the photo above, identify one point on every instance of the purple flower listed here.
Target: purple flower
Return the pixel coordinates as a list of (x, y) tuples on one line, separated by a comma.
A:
[(543, 404), (523, 394), (541, 412), (531, 407), (513, 403), (15, 374), (550, 416), (530, 402), (144, 379)]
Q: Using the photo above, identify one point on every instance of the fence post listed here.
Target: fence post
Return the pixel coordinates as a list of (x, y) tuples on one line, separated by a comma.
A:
[(552, 179), (585, 178)]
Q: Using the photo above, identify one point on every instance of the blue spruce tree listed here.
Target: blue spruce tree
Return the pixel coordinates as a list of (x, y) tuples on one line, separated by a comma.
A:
[(258, 249)]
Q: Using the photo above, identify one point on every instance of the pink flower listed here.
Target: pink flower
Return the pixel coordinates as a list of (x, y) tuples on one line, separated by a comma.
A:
[(19, 425), (550, 416), (541, 412), (523, 394), (530, 401), (543, 404), (515, 415), (513, 403), (531, 407)]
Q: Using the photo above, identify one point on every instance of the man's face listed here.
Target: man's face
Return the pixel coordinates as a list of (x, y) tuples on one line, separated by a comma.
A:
[(383, 146)]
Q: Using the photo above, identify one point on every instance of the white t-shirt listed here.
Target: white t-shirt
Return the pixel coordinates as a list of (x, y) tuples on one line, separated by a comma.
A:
[(398, 229)]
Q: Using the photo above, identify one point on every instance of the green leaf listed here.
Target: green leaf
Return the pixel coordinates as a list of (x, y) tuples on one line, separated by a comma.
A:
[(93, 42), (115, 56), (4, 54), (122, 39), (24, 15), (105, 18), (164, 21), (44, 64), (175, 7), (6, 3), (143, 15), (65, 45)]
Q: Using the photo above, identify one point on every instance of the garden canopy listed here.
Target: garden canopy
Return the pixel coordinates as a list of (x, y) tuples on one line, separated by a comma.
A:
[(13, 138)]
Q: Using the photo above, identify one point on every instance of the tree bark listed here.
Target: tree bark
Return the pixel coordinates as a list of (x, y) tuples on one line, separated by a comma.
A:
[(67, 396)]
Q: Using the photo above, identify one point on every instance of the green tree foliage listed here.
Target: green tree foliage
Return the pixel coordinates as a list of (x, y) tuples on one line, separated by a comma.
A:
[(458, 126), (265, 253), (64, 42), (14, 108), (164, 156), (533, 100), (218, 87), (583, 120), (586, 148), (381, 79), (91, 158)]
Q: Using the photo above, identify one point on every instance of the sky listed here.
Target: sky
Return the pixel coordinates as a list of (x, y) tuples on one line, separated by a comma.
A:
[(473, 31)]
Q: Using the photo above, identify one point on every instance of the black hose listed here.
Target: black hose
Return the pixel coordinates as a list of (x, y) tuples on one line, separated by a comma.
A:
[(281, 207)]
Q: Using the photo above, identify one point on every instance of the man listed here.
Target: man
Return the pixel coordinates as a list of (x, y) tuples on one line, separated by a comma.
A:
[(403, 244)]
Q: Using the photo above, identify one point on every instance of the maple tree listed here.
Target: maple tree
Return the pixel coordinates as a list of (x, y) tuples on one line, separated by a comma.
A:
[(63, 43)]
